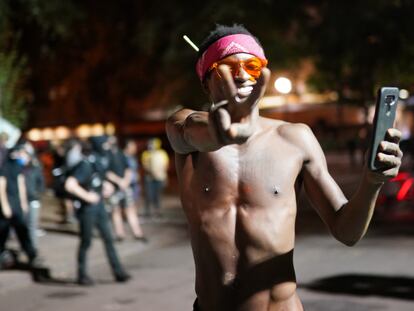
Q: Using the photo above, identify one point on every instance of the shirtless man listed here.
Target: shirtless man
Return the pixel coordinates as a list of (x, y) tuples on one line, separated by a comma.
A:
[(240, 175)]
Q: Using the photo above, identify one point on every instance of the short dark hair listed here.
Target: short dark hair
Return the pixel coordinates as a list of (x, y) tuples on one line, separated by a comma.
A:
[(222, 31)]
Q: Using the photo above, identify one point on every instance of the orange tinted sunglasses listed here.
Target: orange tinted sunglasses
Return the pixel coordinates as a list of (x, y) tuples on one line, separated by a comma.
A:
[(252, 66)]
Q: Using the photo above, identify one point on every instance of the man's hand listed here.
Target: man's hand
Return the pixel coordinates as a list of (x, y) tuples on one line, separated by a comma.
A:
[(93, 198), (388, 157), (107, 189), (232, 118)]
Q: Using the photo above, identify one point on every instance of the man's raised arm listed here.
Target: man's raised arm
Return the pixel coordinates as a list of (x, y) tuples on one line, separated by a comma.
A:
[(230, 120), (347, 220)]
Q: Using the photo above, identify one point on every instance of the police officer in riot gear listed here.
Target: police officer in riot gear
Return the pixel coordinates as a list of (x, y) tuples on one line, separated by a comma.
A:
[(87, 184)]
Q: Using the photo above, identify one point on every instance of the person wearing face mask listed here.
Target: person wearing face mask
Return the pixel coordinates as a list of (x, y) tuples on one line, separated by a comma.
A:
[(35, 185), (14, 202), (86, 182)]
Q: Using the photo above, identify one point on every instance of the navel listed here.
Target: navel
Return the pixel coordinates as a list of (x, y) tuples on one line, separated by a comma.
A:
[(275, 190)]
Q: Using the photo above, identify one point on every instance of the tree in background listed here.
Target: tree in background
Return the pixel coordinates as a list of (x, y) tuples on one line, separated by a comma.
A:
[(13, 94), (107, 60), (358, 46)]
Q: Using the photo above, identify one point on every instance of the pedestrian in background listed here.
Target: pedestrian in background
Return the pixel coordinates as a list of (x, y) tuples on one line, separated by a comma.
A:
[(60, 167), (14, 202), (35, 185), (130, 152), (122, 201), (155, 163)]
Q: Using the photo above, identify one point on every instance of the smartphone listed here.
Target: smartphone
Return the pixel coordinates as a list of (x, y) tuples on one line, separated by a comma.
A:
[(385, 109)]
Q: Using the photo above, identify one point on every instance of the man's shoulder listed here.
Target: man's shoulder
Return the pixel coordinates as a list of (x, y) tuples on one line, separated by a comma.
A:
[(286, 129), (298, 134)]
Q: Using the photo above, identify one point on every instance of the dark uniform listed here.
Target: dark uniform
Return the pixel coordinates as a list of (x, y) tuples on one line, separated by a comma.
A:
[(118, 164), (90, 177), (10, 170)]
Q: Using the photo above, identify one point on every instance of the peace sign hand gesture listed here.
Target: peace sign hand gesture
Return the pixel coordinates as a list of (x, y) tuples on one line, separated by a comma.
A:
[(232, 119)]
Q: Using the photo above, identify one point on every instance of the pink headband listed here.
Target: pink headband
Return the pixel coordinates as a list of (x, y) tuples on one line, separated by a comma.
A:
[(223, 47)]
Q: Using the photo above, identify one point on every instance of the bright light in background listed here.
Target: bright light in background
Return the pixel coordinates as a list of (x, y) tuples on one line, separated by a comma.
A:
[(283, 85), (404, 94), (48, 133), (97, 129), (62, 133), (34, 135), (110, 129), (83, 131)]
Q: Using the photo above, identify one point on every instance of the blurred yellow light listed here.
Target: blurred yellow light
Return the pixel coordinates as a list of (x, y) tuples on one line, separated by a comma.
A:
[(34, 134), (83, 131), (48, 133), (283, 85), (97, 129), (110, 129), (404, 94), (62, 132)]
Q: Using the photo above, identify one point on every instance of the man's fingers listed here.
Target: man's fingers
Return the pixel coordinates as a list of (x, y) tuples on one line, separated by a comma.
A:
[(390, 148), (229, 88), (393, 135), (386, 160), (258, 89)]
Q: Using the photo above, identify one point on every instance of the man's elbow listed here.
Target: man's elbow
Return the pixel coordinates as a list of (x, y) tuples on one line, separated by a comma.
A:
[(349, 242), (347, 238)]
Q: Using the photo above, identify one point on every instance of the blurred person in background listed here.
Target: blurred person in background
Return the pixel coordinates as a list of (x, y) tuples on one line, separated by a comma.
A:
[(240, 175), (122, 201), (59, 170), (86, 182), (14, 203), (35, 185), (155, 163), (3, 148), (130, 151)]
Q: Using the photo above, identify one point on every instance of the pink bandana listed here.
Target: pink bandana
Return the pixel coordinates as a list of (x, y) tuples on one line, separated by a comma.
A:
[(223, 47)]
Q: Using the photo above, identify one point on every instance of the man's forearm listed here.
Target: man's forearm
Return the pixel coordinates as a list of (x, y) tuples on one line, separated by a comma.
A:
[(112, 177), (73, 187), (4, 202), (190, 131), (23, 193), (354, 217), (199, 133)]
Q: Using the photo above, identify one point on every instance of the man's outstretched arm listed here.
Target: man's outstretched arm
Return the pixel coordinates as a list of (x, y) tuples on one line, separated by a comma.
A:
[(189, 131), (348, 220), (230, 121)]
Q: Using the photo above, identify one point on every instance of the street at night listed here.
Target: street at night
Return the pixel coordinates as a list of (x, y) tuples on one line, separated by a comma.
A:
[(206, 155), (376, 275)]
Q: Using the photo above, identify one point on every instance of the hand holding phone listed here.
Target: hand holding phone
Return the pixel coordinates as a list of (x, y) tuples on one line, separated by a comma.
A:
[(385, 109)]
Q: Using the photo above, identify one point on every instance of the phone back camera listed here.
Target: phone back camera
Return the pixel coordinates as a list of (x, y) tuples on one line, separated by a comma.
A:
[(389, 102)]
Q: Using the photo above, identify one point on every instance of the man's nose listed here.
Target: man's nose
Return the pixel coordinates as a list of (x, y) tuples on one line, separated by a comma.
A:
[(241, 75)]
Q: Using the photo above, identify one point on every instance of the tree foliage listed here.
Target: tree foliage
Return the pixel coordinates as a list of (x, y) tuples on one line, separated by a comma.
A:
[(113, 60)]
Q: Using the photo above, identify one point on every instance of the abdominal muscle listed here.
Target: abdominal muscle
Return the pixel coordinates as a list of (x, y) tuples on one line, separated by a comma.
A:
[(240, 264)]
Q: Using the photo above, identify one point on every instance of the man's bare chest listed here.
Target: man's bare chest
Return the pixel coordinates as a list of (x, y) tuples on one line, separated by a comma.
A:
[(262, 167)]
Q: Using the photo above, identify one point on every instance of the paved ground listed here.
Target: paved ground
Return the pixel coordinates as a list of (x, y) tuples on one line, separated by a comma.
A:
[(377, 274)]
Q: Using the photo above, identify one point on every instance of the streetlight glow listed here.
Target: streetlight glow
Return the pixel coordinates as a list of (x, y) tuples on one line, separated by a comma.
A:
[(283, 85), (404, 94)]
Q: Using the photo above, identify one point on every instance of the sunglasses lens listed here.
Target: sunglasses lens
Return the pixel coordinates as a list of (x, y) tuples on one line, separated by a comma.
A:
[(252, 66)]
